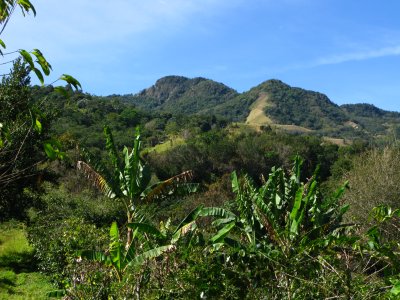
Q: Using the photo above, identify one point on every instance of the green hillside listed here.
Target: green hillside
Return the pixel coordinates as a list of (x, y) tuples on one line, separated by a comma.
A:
[(176, 94), (373, 119), (271, 103), (177, 103), (295, 106)]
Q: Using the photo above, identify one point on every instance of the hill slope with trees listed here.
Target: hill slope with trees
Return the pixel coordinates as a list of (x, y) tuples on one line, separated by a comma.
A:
[(289, 106), (177, 94)]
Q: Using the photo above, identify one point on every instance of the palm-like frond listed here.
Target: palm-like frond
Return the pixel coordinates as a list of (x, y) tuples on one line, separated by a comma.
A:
[(112, 151), (98, 256), (146, 228), (166, 187), (182, 231), (95, 178), (112, 177), (151, 254)]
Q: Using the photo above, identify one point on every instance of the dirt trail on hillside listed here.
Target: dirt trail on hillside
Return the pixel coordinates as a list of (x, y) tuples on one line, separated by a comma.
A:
[(257, 115), (257, 118)]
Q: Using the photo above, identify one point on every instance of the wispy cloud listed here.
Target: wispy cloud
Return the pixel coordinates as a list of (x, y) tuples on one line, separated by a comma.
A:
[(102, 20), (357, 56), (86, 28), (86, 37), (339, 59)]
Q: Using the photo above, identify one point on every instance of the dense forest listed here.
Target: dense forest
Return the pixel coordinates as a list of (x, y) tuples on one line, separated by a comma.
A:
[(176, 193)]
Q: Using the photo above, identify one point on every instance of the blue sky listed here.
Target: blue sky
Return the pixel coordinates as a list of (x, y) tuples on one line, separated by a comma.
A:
[(346, 49)]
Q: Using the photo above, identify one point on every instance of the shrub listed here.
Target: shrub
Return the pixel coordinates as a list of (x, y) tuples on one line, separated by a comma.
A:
[(374, 180), (57, 241)]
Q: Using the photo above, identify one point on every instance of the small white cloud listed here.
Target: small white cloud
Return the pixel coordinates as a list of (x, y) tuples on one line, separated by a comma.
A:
[(358, 56)]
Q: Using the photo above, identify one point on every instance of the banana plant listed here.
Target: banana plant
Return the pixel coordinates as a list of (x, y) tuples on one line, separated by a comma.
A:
[(129, 178), (119, 257), (167, 234), (283, 212)]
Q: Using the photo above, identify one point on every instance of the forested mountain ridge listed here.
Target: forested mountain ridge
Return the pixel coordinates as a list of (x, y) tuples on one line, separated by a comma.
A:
[(280, 103), (176, 102), (368, 110)]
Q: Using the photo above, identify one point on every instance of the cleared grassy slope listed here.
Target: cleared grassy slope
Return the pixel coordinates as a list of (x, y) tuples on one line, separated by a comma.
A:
[(18, 278)]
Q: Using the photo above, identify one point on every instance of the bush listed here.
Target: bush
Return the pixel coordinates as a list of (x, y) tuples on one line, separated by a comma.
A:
[(60, 201), (374, 180), (57, 241)]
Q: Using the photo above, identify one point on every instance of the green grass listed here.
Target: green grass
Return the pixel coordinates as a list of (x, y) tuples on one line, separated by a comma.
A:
[(18, 279), (171, 143)]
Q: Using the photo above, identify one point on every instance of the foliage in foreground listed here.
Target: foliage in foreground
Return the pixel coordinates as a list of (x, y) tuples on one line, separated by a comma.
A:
[(281, 240)]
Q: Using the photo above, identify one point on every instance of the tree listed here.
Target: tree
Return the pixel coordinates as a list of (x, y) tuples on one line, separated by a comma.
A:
[(21, 137), (22, 120), (33, 60)]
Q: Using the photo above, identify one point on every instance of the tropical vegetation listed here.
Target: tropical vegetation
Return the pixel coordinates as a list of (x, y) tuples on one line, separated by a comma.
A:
[(160, 195)]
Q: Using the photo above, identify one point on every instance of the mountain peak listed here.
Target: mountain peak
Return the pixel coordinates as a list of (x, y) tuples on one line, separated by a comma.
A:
[(178, 94)]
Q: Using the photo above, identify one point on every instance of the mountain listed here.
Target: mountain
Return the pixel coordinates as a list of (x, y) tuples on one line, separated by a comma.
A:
[(284, 104), (271, 103), (177, 94)]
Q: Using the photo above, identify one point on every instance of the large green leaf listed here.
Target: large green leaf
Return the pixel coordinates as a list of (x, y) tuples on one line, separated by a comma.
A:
[(298, 163), (113, 154), (311, 195), (26, 6), (146, 228), (27, 57), (39, 75), (114, 232), (341, 190), (132, 162), (52, 149), (295, 213), (217, 212), (183, 230), (235, 183), (151, 254), (224, 231), (395, 290), (94, 256), (116, 247), (192, 216), (44, 64), (38, 126), (71, 80)]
